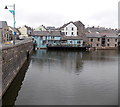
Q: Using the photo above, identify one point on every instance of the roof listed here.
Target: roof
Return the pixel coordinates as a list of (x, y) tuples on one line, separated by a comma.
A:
[(77, 24), (14, 29), (40, 28), (46, 33), (50, 28), (98, 35), (100, 30), (3, 24), (71, 38), (29, 28)]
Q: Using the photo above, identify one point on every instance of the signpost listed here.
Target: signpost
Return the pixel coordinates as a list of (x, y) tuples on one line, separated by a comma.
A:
[(14, 22)]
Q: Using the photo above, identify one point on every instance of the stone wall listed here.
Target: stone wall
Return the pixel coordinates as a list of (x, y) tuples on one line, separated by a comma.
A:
[(13, 58), (97, 43)]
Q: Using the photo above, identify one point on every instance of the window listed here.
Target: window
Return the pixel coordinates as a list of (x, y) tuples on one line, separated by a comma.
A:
[(66, 28), (78, 42), (66, 33), (115, 45), (44, 42), (108, 40), (64, 41), (97, 44), (91, 45), (115, 40), (52, 37), (91, 40), (70, 41), (71, 33), (98, 39), (108, 44), (77, 33), (72, 28), (41, 37)]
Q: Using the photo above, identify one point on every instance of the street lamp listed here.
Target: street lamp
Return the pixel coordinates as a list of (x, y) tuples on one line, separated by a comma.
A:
[(13, 12)]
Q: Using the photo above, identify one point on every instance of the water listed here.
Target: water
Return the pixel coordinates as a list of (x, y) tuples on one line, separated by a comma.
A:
[(67, 78)]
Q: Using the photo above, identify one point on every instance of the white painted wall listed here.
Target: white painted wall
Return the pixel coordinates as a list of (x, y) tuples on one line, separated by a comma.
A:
[(69, 30), (40, 28), (23, 31)]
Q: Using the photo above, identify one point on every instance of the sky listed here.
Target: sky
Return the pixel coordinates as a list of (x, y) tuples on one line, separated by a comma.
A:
[(33, 13)]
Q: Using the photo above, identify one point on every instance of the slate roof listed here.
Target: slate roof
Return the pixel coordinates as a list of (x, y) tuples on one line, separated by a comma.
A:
[(3, 24), (29, 28), (71, 38), (77, 24), (15, 29), (50, 28), (100, 30), (98, 35), (46, 33)]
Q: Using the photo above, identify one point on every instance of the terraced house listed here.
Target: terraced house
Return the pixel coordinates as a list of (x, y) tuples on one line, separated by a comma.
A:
[(46, 38), (102, 38), (70, 34), (74, 33), (5, 33)]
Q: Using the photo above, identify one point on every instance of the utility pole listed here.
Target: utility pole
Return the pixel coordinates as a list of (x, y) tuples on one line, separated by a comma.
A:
[(14, 22)]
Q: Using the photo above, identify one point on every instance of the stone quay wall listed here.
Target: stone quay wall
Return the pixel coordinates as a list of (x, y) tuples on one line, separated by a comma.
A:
[(13, 58)]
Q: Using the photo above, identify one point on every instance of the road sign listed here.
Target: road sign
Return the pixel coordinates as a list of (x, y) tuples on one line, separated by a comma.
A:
[(14, 33)]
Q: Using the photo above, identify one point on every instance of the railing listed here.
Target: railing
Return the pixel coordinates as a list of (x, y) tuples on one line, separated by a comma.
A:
[(64, 45)]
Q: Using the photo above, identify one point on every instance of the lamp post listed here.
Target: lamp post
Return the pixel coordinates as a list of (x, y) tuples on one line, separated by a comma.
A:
[(13, 12)]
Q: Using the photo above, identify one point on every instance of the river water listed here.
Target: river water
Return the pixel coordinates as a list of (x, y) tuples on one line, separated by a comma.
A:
[(67, 78)]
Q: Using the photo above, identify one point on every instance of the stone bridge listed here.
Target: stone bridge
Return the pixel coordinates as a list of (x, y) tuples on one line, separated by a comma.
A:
[(12, 59)]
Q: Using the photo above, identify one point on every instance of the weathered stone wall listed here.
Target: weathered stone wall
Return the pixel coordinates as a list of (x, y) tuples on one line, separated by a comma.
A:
[(111, 44), (12, 60)]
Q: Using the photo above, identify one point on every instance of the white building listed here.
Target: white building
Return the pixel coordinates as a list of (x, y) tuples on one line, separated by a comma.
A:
[(70, 30), (25, 31), (73, 29), (40, 28)]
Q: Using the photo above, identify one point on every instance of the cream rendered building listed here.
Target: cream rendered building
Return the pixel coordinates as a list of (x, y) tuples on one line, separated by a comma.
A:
[(40, 28), (25, 31)]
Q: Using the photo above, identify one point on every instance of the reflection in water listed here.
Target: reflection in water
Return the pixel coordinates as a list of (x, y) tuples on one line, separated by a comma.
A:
[(12, 93), (68, 78), (101, 55), (71, 60)]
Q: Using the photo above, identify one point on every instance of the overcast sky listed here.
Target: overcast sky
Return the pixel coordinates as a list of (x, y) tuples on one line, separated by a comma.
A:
[(34, 13)]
